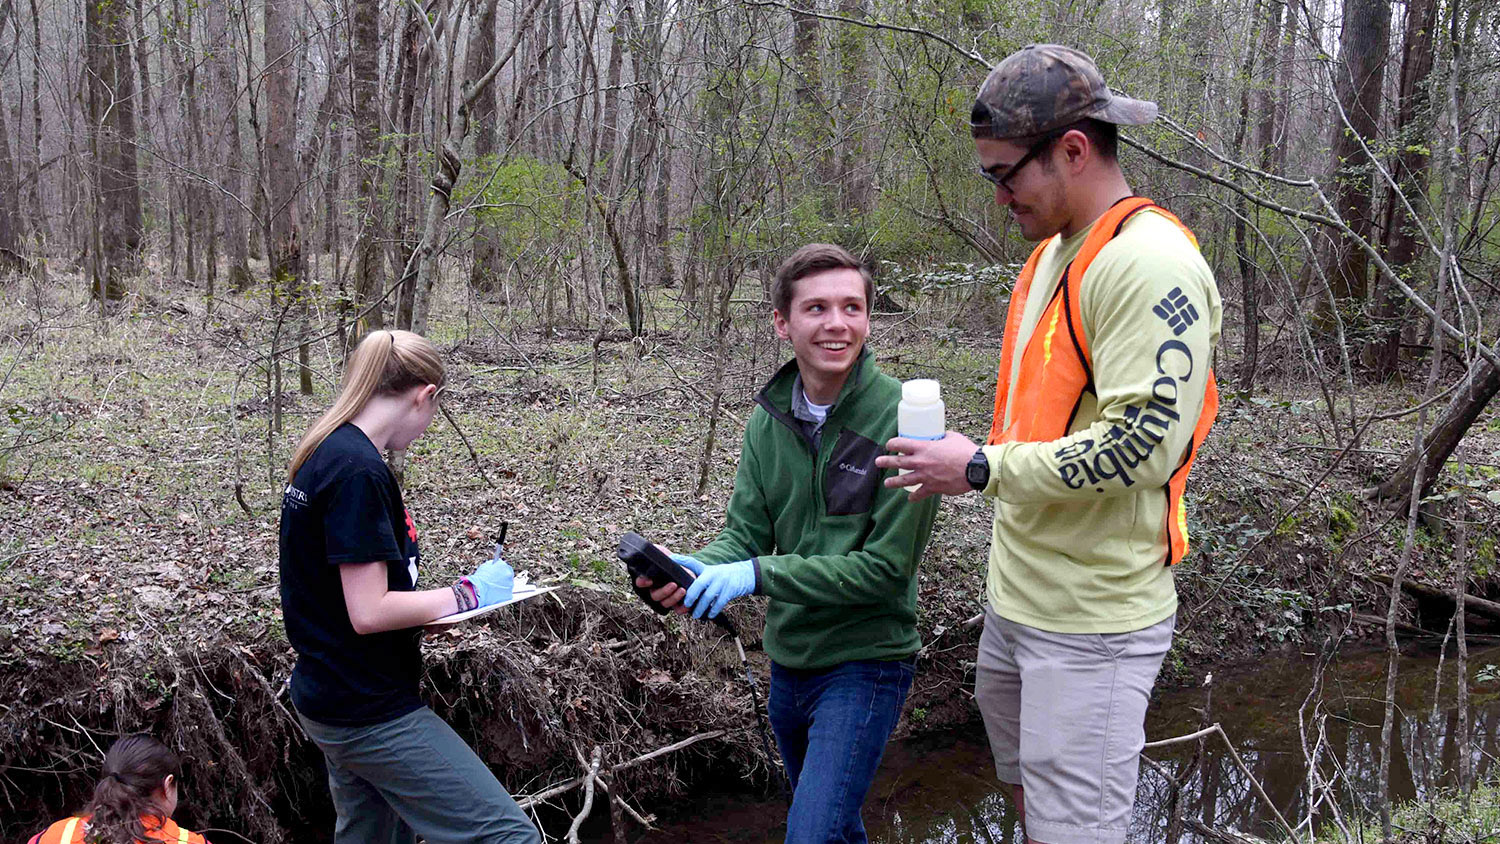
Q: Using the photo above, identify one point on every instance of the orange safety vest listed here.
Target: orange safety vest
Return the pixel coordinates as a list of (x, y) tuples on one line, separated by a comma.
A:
[(70, 831), (1056, 368)]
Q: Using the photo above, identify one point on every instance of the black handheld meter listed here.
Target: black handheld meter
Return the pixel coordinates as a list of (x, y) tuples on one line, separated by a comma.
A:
[(643, 559)]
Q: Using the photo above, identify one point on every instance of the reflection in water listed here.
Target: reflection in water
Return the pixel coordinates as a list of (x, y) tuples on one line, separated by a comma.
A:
[(942, 788), (1259, 710)]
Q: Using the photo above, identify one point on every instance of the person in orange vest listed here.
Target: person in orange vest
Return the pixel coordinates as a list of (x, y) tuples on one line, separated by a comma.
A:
[(1104, 395), (133, 802)]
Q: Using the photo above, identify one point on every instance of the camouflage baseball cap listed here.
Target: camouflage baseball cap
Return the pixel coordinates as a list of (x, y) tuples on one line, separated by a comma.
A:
[(1042, 87)]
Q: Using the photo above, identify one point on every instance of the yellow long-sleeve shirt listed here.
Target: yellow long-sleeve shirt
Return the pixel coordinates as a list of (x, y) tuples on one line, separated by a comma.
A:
[(1080, 538)]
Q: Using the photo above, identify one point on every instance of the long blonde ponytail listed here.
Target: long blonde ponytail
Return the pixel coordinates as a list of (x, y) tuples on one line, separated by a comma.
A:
[(385, 362)]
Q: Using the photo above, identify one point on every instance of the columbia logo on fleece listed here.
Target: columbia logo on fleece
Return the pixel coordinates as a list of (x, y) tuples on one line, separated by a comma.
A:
[(847, 467)]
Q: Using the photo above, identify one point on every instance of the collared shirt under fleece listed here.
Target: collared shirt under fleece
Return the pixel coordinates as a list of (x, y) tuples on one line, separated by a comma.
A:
[(1079, 539), (833, 548)]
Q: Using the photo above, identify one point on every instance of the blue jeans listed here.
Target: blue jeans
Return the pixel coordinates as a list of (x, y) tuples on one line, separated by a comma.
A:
[(839, 719)]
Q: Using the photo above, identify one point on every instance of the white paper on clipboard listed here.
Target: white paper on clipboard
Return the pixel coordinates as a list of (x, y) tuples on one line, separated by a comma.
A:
[(523, 590)]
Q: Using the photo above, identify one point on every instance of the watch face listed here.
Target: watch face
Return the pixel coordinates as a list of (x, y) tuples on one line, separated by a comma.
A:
[(978, 472)]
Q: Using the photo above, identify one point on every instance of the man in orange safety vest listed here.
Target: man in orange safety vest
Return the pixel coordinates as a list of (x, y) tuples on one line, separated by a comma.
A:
[(1103, 396)]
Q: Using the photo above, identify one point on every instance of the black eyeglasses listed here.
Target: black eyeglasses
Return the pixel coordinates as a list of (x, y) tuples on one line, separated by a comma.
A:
[(1003, 179)]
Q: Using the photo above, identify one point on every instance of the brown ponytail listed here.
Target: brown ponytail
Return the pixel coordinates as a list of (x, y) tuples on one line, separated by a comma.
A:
[(385, 362), (134, 768)]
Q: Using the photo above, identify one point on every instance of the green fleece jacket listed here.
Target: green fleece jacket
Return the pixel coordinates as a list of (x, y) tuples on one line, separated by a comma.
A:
[(834, 550)]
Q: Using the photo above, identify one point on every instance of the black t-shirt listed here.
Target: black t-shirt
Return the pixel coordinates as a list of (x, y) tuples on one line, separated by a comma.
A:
[(344, 507)]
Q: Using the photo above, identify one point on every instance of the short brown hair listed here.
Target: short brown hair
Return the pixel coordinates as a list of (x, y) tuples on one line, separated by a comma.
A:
[(1104, 137), (812, 259)]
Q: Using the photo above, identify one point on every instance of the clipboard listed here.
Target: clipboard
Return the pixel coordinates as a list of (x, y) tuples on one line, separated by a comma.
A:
[(523, 591)]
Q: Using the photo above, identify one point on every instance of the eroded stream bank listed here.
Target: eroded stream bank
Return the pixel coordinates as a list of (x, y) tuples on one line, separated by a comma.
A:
[(940, 788)]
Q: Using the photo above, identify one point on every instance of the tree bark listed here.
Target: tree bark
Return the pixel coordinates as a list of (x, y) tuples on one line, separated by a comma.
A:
[(285, 249), (1479, 386), (110, 79), (40, 230), (446, 169), (143, 113), (484, 275), (194, 150), (1265, 144), (1358, 75), (661, 147), (856, 188), (555, 82), (10, 207), (808, 95), (609, 131), (364, 55), (414, 56), (224, 142), (1413, 130)]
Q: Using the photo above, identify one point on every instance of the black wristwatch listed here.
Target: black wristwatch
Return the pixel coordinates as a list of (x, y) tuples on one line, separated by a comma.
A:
[(977, 472)]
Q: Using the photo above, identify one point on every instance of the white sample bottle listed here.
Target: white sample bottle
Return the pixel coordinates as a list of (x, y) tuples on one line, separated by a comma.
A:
[(919, 415)]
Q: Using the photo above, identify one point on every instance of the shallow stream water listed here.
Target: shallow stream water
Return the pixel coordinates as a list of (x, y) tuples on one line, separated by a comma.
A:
[(942, 787)]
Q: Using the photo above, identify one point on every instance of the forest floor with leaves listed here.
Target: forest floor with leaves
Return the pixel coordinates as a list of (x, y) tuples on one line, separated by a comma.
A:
[(138, 589)]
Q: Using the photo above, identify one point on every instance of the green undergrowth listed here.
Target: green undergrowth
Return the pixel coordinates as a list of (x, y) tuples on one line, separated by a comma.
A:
[(1447, 817)]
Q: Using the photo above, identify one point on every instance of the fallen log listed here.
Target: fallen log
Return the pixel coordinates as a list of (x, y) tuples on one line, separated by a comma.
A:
[(1477, 606), (1411, 630)]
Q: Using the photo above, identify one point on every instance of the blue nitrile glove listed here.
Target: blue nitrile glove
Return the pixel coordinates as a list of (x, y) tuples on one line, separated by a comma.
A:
[(692, 564), (492, 582), (718, 585)]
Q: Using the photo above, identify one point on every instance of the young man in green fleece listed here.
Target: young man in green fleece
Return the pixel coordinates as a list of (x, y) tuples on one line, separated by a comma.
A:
[(811, 526), (1104, 394)]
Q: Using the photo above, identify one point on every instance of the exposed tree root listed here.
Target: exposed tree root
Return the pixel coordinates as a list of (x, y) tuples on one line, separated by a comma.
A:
[(523, 689)]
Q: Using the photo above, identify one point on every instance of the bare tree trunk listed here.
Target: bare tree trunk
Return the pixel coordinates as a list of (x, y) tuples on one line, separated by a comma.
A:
[(484, 275), (1265, 144), (1460, 592), (1285, 63), (558, 41), (194, 150), (75, 199), (10, 208), (1412, 132), (1249, 282), (415, 55), (285, 247), (34, 185), (808, 93), (111, 111), (219, 41), (610, 130), (1480, 385), (143, 113), (364, 55), (448, 165), (857, 188), (661, 134), (1358, 75)]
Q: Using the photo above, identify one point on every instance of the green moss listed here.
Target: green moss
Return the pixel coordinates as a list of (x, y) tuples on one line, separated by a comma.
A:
[(1482, 558), (1341, 523)]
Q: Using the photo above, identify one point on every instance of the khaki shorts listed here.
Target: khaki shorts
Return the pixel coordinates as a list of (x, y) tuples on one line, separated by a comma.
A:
[(1065, 714)]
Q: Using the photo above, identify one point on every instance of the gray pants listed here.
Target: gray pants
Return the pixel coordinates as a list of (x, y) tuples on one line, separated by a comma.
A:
[(1065, 713), (414, 776)]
